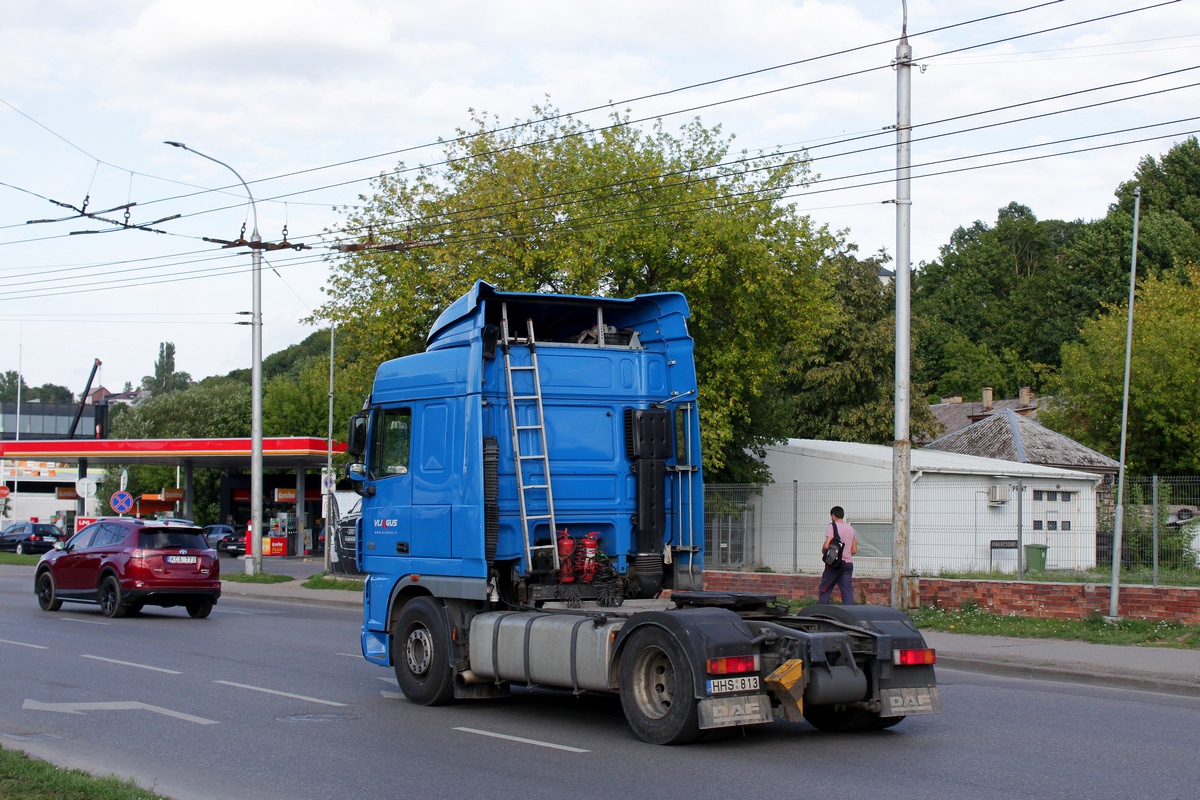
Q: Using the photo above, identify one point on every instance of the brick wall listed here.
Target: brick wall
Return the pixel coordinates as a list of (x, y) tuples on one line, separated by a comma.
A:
[(1032, 599)]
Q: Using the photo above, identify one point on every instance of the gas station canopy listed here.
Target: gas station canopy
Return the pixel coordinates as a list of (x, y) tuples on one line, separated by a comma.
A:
[(278, 453)]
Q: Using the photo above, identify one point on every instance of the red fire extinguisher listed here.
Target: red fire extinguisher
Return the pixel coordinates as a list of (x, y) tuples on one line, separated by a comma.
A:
[(587, 562), (566, 557)]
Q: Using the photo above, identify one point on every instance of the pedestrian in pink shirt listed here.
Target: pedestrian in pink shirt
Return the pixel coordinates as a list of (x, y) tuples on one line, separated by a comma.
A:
[(838, 574)]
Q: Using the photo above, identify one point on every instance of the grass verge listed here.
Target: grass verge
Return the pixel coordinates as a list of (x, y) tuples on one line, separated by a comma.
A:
[(262, 577), (25, 778), (1149, 633), (1138, 576), (325, 582), (27, 560)]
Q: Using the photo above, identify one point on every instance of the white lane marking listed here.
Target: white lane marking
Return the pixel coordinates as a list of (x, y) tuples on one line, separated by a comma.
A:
[(24, 644), (349, 655), (523, 740), (391, 695), (392, 681), (129, 705), (130, 664), (281, 694), (84, 621)]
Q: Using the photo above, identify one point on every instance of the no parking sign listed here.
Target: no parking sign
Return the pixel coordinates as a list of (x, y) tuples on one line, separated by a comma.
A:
[(121, 502)]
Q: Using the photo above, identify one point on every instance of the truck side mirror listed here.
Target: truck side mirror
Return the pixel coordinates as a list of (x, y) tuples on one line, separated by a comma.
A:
[(356, 439), (357, 472)]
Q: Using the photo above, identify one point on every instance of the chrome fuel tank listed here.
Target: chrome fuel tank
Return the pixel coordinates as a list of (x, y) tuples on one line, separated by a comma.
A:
[(564, 650)]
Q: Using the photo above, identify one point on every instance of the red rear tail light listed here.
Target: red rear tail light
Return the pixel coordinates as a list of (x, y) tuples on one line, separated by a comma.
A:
[(912, 658), (732, 664)]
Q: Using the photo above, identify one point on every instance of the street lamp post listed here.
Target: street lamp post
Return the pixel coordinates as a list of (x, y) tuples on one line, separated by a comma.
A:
[(254, 563)]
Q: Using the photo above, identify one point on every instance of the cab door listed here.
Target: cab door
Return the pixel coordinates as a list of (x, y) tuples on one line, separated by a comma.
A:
[(386, 522)]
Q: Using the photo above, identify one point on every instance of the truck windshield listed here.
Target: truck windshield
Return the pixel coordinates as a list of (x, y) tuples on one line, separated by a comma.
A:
[(389, 442)]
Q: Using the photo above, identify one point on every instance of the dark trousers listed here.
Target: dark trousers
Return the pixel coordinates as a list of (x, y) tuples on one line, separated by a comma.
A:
[(839, 577)]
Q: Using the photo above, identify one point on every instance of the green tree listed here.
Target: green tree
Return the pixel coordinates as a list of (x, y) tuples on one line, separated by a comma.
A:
[(53, 393), (844, 388), (46, 393), (998, 304), (554, 205), (10, 380), (165, 379), (213, 408), (299, 405), (1164, 419)]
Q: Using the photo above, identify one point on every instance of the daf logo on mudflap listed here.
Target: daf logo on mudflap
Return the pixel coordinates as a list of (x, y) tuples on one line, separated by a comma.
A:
[(750, 708)]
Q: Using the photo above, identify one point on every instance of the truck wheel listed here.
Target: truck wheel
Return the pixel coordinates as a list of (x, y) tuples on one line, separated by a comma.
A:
[(47, 592), (656, 688), (421, 654), (825, 718)]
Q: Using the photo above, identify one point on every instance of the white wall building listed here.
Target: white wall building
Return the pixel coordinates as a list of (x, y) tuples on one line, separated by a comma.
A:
[(967, 513), (42, 490)]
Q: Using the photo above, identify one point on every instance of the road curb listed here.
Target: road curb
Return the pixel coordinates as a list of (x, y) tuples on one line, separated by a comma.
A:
[(1009, 669)]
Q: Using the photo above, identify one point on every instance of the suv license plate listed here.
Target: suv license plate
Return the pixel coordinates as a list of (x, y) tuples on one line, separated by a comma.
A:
[(181, 559), (745, 683)]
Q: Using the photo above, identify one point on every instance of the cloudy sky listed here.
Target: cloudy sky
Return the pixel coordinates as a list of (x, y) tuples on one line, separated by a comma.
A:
[(308, 99)]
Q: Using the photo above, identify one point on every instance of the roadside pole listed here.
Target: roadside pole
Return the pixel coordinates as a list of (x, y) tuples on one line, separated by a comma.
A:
[(1119, 523), (327, 478), (904, 590)]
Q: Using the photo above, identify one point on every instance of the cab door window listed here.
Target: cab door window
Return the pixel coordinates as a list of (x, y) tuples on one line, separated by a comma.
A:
[(390, 437)]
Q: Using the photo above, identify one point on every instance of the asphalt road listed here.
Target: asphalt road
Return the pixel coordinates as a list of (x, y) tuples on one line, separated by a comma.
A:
[(273, 700)]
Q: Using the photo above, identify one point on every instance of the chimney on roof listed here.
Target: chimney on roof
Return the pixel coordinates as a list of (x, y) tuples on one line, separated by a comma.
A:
[(954, 398), (987, 398), (1026, 396)]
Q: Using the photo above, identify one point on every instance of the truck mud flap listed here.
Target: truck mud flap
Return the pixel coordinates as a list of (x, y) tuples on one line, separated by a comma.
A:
[(723, 712), (907, 702)]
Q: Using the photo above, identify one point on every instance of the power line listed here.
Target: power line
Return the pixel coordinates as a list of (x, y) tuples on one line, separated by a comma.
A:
[(605, 221), (693, 109), (844, 178)]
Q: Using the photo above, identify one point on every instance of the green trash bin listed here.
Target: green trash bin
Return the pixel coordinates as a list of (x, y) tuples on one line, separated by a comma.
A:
[(1035, 557)]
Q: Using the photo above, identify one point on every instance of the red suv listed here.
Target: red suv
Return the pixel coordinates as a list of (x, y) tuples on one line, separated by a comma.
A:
[(123, 564)]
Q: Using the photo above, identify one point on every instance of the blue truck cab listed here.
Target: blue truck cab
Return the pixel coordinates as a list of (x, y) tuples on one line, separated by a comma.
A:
[(603, 392)]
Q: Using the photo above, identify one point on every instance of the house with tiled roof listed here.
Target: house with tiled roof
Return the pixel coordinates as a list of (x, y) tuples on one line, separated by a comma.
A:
[(954, 413), (1010, 436)]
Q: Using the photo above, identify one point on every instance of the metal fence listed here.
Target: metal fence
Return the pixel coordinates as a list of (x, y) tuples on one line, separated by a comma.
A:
[(967, 525)]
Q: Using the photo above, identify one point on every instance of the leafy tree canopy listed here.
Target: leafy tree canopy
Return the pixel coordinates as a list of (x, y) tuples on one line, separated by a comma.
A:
[(844, 388), (1164, 419), (554, 205), (165, 379), (46, 393)]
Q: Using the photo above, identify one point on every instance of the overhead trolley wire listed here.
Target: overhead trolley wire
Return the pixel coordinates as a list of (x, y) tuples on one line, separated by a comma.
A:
[(702, 84), (749, 96)]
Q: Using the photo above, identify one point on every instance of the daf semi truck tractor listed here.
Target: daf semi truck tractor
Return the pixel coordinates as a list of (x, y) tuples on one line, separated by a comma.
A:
[(533, 516)]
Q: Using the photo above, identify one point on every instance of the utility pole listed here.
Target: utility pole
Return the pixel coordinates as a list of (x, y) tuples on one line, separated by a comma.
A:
[(329, 527), (254, 562), (904, 588), (1118, 524)]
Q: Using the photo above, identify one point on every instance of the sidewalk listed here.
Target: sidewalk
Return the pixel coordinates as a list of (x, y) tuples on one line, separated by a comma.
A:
[(1156, 669)]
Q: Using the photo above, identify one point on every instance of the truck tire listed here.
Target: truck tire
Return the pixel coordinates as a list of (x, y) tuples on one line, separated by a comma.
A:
[(827, 718), (656, 688), (421, 653)]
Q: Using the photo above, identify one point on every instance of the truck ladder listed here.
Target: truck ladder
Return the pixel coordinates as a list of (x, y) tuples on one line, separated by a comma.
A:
[(540, 458)]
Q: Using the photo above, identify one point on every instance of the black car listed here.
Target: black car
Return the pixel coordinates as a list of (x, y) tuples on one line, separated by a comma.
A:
[(30, 537), (225, 540)]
